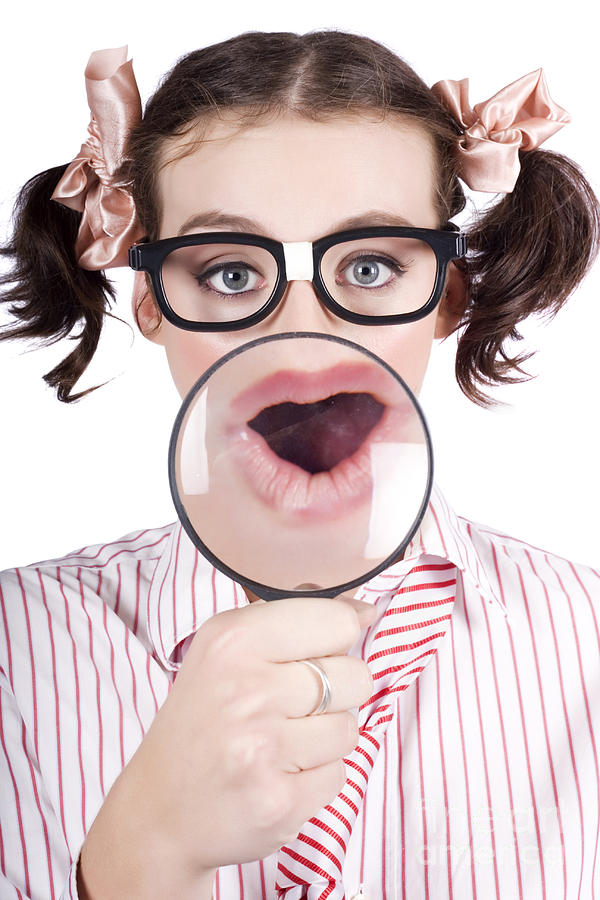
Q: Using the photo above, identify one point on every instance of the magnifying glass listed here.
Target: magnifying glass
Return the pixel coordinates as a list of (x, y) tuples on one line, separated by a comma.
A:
[(300, 464)]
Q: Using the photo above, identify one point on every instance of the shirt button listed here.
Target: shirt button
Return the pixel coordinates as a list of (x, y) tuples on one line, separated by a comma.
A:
[(361, 895)]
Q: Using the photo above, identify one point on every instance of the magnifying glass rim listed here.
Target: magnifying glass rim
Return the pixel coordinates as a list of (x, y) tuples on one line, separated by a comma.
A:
[(265, 591)]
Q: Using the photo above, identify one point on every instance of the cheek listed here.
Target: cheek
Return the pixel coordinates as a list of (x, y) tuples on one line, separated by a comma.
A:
[(406, 348), (190, 353)]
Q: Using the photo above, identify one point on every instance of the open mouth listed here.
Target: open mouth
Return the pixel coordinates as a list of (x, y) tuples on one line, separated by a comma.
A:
[(318, 436), (303, 441)]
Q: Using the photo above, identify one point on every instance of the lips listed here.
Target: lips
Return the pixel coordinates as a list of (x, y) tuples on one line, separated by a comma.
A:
[(302, 440)]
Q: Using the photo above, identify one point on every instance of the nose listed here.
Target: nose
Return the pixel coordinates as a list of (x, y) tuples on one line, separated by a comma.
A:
[(300, 308)]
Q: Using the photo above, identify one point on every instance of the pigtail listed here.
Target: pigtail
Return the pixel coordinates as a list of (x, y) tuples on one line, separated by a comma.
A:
[(529, 253), (49, 293)]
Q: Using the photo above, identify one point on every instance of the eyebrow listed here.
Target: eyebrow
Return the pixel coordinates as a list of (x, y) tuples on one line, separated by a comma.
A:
[(215, 218)]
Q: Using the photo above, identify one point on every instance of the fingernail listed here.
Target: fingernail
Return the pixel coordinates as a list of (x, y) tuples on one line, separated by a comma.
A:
[(367, 616), (367, 612)]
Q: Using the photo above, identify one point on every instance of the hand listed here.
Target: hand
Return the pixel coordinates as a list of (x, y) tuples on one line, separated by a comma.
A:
[(233, 765)]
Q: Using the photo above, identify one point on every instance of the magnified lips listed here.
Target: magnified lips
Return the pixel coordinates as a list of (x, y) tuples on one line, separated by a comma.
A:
[(304, 439), (317, 436)]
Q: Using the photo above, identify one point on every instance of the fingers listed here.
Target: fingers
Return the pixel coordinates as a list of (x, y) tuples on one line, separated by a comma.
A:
[(294, 627), (317, 740), (297, 688), (312, 789), (366, 612)]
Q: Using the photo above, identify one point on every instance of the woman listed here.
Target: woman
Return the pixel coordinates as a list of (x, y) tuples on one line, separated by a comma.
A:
[(222, 775)]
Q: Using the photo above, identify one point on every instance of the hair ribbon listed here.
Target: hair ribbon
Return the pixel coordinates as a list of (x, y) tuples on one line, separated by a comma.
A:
[(108, 225), (520, 116)]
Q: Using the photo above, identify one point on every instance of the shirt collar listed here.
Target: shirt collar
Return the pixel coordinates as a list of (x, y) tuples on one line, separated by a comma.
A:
[(443, 533), (186, 589)]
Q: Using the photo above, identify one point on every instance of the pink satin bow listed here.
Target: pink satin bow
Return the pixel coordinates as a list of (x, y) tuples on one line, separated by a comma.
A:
[(108, 225), (521, 116)]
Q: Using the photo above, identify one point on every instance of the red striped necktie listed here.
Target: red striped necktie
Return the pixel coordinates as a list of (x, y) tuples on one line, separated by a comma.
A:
[(310, 867)]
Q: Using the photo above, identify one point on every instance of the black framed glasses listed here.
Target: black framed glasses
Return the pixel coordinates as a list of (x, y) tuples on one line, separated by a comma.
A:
[(226, 280)]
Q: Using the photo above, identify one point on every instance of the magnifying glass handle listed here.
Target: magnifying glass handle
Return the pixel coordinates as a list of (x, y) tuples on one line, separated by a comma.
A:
[(302, 590)]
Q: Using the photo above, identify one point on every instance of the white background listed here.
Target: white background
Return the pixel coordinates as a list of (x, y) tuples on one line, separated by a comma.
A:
[(94, 470)]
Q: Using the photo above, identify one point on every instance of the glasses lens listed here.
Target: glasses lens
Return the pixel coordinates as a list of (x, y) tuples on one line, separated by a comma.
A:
[(383, 276), (218, 282)]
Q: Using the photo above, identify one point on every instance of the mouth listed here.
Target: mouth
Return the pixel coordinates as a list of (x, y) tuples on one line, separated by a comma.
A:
[(303, 441), (318, 436)]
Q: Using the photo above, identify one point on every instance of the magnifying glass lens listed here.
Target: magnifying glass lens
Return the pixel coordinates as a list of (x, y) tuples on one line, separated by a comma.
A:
[(300, 464)]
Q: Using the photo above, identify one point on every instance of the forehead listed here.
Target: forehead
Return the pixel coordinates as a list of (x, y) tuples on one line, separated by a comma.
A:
[(298, 177)]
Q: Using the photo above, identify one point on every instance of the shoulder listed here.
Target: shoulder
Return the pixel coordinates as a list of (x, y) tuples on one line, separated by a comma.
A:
[(137, 546), (516, 564), (69, 594)]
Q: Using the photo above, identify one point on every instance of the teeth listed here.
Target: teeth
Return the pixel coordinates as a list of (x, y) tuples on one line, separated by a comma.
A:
[(317, 436)]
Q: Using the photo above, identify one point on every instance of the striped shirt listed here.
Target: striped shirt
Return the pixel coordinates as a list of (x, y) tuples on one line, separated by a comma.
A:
[(487, 782)]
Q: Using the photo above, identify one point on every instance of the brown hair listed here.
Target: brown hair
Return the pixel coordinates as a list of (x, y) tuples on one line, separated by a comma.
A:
[(527, 253)]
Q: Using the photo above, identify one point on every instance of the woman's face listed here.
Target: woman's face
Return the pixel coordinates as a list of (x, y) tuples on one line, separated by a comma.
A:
[(300, 180)]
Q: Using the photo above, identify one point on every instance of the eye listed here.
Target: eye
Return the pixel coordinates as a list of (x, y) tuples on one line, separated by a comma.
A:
[(370, 271), (230, 278)]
